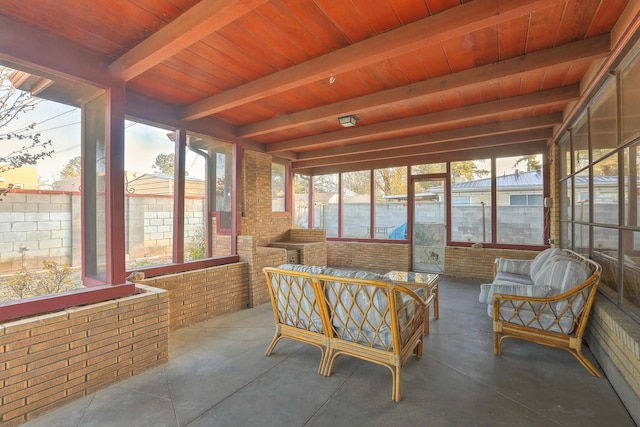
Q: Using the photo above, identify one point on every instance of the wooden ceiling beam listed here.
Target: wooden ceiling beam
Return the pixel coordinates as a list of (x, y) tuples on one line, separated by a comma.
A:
[(434, 29), (441, 147), (196, 23), (497, 128), (507, 150), (426, 121), (569, 54)]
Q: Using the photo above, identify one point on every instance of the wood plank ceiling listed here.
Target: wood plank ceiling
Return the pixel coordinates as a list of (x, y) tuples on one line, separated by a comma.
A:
[(424, 77)]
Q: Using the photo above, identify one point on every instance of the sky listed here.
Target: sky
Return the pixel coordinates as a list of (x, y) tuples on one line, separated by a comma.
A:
[(61, 124), (143, 143)]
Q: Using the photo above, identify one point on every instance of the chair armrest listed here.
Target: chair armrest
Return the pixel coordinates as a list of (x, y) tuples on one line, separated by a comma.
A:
[(488, 290), (410, 310), (515, 266)]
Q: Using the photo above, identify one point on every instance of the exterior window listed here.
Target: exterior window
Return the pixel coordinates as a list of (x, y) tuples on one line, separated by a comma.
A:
[(581, 203), (629, 94), (605, 191), (356, 206), (150, 181), (599, 199), (525, 200), (520, 215), (301, 201), (391, 202), (93, 176), (564, 149), (195, 209), (326, 202), (603, 121), (630, 271), (631, 199), (41, 238), (580, 135), (278, 187), (429, 168), (208, 206), (471, 222), (461, 200)]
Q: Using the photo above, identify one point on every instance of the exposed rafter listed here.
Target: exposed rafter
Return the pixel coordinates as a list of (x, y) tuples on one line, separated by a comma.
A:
[(440, 147), (434, 29), (201, 20), (426, 121), (506, 150), (489, 129), (569, 54)]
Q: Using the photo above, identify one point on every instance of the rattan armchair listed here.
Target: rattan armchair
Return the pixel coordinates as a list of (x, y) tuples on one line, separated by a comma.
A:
[(557, 321)]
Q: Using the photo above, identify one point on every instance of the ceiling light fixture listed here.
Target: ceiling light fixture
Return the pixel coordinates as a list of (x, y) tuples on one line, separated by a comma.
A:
[(348, 121), (332, 79)]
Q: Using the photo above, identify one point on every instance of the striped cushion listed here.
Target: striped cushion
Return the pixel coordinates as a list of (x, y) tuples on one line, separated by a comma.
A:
[(303, 268), (514, 266), (540, 265), (546, 320), (296, 302), (565, 273), (360, 313), (487, 290), (512, 278)]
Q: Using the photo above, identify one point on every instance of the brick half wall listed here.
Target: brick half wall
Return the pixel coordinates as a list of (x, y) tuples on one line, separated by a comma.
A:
[(199, 295), (49, 360), (375, 256)]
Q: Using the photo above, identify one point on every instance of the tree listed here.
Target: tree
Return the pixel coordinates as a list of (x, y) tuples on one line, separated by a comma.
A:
[(21, 146), (356, 182), (468, 169), (72, 169), (164, 163), (532, 161), (391, 181)]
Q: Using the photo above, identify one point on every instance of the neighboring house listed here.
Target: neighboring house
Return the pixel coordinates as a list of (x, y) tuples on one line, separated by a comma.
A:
[(160, 184), (24, 177)]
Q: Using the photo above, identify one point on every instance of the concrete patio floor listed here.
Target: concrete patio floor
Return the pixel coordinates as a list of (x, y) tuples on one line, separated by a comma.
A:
[(218, 375)]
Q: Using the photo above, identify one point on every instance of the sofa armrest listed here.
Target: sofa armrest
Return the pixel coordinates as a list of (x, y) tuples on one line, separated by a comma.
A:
[(410, 309), (488, 290), (560, 313), (514, 266)]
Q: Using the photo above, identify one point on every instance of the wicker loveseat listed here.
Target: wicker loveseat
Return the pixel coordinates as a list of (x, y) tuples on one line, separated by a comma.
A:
[(546, 300), (360, 314)]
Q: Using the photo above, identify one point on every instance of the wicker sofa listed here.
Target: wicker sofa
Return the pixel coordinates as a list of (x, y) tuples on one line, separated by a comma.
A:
[(546, 300), (360, 314)]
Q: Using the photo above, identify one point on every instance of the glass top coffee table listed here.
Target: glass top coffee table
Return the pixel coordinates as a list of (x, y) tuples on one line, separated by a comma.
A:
[(424, 284)]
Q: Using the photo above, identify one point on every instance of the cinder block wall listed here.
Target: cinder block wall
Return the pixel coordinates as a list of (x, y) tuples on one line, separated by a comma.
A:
[(48, 360), (198, 295)]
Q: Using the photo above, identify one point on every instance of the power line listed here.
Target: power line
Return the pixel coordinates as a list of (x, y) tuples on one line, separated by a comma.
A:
[(53, 128), (46, 120)]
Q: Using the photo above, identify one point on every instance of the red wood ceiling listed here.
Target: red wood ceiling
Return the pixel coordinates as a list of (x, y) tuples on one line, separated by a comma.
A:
[(412, 71)]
